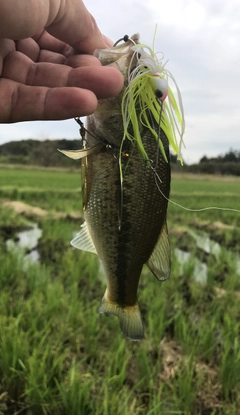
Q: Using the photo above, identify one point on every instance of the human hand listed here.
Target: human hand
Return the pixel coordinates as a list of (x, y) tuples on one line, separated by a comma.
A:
[(41, 75)]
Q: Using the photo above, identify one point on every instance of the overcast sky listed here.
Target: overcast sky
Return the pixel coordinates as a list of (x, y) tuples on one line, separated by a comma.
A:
[(201, 40)]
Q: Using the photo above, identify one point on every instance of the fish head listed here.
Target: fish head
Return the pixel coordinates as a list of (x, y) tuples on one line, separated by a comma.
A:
[(118, 56), (106, 122)]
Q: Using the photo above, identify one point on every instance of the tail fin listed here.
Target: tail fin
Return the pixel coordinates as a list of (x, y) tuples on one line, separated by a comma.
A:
[(129, 318)]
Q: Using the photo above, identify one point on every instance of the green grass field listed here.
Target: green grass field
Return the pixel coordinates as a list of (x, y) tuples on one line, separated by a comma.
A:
[(59, 356)]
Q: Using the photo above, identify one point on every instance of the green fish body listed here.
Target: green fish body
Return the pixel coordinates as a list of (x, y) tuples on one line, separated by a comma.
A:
[(125, 218)]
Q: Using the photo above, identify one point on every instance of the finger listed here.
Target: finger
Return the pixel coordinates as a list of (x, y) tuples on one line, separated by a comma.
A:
[(77, 61), (7, 46), (25, 103), (105, 82), (68, 20), (31, 49), (93, 38), (109, 42), (82, 31), (51, 43), (51, 57)]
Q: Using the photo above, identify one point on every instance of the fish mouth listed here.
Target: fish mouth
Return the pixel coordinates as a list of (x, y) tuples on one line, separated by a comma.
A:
[(120, 55)]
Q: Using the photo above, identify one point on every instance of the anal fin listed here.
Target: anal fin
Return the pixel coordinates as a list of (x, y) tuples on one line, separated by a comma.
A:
[(83, 240), (159, 262)]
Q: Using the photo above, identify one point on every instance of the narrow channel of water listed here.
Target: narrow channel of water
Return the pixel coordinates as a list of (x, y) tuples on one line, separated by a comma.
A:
[(210, 247), (25, 244), (200, 268), (206, 244)]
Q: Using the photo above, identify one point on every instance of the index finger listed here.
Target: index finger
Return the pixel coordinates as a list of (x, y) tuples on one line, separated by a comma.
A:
[(77, 27)]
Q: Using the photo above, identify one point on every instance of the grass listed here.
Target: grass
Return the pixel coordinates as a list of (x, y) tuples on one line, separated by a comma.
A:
[(59, 356), (201, 192), (43, 188)]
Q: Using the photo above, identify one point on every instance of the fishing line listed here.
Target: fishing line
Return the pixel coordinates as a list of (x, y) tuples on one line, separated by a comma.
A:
[(157, 179), (157, 93)]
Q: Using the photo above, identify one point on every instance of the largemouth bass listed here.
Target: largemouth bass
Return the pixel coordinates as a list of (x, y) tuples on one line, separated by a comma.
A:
[(125, 199)]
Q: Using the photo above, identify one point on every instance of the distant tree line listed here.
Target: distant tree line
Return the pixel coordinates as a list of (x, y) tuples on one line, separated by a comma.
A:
[(44, 153), (35, 152), (224, 164)]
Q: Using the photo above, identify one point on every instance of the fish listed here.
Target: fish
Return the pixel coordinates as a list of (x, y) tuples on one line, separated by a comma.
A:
[(125, 198)]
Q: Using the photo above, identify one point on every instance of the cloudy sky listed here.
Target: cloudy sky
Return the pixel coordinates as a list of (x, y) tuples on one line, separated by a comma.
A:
[(201, 40)]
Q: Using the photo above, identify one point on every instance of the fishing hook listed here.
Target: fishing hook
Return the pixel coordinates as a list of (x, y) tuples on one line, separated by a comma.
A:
[(82, 130)]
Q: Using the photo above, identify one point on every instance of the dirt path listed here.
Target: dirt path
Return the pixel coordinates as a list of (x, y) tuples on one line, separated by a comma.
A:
[(24, 209)]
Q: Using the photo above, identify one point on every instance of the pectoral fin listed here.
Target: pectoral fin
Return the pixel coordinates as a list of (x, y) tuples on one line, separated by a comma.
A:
[(79, 154), (129, 318), (159, 262), (83, 240)]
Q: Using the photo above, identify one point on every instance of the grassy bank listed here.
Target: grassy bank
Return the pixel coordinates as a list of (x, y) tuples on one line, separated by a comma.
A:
[(58, 356)]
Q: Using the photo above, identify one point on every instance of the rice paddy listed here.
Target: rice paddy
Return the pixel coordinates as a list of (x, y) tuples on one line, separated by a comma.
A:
[(59, 356)]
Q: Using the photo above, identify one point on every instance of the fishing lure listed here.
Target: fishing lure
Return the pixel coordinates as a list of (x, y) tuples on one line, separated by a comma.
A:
[(148, 92)]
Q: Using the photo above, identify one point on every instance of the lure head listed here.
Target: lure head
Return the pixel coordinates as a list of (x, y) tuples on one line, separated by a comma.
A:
[(159, 86)]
